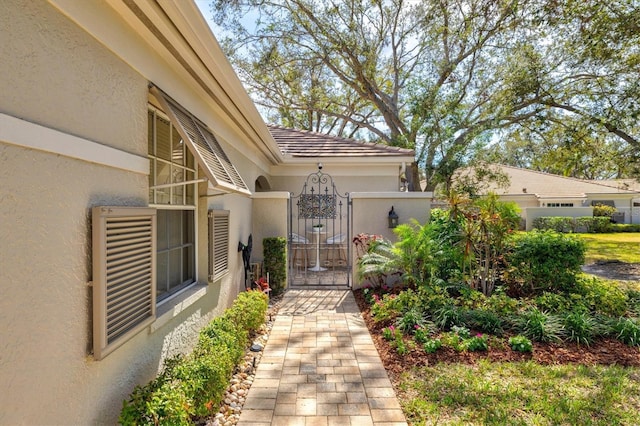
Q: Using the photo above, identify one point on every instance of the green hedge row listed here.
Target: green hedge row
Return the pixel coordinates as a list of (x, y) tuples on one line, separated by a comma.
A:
[(193, 385), (571, 224)]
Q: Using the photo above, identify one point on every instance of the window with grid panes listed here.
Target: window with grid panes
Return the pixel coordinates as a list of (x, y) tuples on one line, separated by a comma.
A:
[(172, 164)]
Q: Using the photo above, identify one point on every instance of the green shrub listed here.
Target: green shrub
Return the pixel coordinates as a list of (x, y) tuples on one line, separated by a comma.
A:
[(580, 327), (448, 316), (594, 224), (389, 333), (433, 298), (555, 223), (601, 296), (520, 344), (622, 227), (194, 384), (602, 210), (628, 331), (421, 333), (477, 343), (411, 319), (463, 332), (485, 321), (432, 345), (385, 309), (539, 326), (275, 262), (543, 261), (502, 305), (554, 302), (454, 341), (249, 310), (633, 302)]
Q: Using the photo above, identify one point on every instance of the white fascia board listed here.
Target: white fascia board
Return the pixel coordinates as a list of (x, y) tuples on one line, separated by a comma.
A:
[(198, 46), (284, 195), (16, 131)]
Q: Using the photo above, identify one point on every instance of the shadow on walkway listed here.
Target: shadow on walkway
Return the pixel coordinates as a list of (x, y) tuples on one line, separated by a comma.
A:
[(320, 367)]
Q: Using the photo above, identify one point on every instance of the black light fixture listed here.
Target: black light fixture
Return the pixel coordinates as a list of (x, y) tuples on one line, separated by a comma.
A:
[(393, 218)]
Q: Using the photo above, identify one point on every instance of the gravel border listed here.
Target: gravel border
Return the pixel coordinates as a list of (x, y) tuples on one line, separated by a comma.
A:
[(242, 379)]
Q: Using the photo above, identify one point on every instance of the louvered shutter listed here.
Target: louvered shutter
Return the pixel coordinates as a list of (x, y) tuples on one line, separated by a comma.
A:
[(218, 243), (203, 145), (124, 274)]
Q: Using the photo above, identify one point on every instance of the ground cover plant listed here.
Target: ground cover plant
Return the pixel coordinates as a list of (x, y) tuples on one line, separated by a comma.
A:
[(515, 335)]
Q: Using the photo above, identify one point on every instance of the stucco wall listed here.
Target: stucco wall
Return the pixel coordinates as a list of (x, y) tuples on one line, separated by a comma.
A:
[(54, 74), (270, 215), (370, 214), (44, 270), (347, 178), (47, 61)]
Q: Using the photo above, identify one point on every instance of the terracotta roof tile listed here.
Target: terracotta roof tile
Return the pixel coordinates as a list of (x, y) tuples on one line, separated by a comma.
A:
[(302, 143)]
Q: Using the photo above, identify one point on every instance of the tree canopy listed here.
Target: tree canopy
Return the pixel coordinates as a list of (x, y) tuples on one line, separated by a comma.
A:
[(448, 78)]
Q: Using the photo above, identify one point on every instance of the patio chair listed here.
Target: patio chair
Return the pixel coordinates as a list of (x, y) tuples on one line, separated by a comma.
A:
[(299, 244), (336, 246)]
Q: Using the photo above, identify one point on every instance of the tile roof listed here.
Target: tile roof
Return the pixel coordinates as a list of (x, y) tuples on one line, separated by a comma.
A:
[(302, 143), (550, 185)]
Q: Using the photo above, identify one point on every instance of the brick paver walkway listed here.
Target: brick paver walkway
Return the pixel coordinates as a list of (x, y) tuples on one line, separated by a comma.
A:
[(320, 367)]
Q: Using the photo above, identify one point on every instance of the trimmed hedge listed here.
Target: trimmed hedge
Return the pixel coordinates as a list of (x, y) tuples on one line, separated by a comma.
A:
[(569, 224), (275, 262), (193, 385), (543, 261)]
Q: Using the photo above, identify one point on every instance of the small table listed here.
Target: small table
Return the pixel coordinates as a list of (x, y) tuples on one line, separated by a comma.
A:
[(317, 234)]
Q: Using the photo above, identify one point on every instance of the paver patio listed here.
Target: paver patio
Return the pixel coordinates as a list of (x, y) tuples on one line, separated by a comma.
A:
[(320, 367)]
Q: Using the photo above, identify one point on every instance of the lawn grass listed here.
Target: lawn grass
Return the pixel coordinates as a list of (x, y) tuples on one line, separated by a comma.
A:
[(521, 394), (622, 246)]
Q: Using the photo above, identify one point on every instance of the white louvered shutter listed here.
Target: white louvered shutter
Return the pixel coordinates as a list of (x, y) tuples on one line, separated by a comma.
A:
[(203, 145), (218, 243), (124, 274)]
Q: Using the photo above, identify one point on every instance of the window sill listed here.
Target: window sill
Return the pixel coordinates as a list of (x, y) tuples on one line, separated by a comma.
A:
[(172, 307)]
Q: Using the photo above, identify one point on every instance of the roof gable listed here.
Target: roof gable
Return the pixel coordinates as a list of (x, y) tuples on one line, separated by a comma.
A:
[(302, 143)]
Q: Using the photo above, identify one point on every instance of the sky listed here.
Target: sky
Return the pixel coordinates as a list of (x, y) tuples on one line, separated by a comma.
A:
[(204, 6)]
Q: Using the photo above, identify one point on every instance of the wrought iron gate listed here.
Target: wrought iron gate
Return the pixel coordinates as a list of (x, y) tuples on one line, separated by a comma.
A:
[(319, 234)]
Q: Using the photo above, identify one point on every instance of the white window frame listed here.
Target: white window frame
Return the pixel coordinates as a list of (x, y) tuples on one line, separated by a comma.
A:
[(183, 207)]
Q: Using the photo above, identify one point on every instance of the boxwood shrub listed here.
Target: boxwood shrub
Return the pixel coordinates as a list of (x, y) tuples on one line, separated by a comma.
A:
[(275, 262), (193, 385), (542, 261)]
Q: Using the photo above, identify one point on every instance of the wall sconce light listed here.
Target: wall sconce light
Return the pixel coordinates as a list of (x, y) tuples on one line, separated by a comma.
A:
[(393, 218)]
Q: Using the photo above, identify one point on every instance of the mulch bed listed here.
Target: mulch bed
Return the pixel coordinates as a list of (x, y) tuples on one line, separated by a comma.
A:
[(604, 352)]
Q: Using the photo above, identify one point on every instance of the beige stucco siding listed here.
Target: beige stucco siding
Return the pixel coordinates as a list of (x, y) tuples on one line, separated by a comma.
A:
[(356, 176), (54, 61), (45, 269), (56, 75), (370, 215)]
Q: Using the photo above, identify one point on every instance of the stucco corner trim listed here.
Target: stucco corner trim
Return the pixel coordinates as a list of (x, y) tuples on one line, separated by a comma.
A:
[(271, 195), (16, 131)]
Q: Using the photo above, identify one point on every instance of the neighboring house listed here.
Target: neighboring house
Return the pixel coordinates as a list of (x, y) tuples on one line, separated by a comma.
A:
[(132, 164), (543, 194)]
